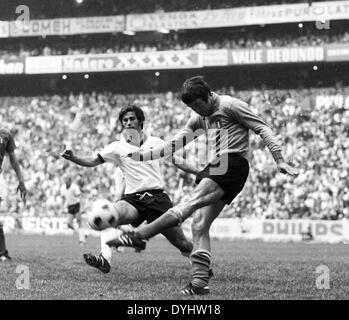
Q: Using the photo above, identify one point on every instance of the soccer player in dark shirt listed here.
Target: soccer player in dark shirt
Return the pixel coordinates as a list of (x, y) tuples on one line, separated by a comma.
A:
[(7, 146)]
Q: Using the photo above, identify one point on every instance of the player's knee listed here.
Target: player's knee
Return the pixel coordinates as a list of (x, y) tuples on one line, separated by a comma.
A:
[(193, 202)]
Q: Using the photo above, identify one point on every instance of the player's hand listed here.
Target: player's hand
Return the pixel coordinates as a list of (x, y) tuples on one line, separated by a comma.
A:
[(67, 154), (287, 169), (22, 191)]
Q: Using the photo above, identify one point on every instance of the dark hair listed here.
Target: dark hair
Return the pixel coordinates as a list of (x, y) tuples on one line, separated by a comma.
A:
[(195, 88), (132, 108)]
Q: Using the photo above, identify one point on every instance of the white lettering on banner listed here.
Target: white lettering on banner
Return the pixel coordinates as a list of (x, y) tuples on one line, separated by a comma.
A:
[(133, 61), (297, 227), (287, 55), (11, 66), (72, 64), (41, 224), (41, 27), (42, 65), (318, 11), (67, 26), (276, 55), (155, 21), (247, 56)]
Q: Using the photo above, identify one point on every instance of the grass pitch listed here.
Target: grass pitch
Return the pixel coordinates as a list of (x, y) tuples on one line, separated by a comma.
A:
[(243, 270)]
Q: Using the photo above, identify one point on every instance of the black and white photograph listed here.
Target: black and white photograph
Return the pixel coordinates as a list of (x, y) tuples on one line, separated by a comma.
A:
[(176, 155)]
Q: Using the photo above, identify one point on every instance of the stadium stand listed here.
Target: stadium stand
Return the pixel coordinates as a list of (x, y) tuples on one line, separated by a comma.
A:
[(236, 38), (316, 139)]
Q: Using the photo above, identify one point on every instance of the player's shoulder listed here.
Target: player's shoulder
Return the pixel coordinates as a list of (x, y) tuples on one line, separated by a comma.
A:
[(114, 144), (225, 99), (231, 102)]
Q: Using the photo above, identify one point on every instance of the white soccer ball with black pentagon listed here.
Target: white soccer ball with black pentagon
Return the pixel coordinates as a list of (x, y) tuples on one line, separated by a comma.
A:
[(102, 215)]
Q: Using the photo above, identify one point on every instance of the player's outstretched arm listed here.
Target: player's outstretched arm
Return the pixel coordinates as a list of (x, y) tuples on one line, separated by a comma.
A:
[(181, 163), (241, 113), (167, 149), (21, 186), (89, 162), (285, 168)]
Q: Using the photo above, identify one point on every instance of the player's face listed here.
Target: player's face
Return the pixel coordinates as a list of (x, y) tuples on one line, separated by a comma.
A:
[(130, 121), (201, 107), (68, 182)]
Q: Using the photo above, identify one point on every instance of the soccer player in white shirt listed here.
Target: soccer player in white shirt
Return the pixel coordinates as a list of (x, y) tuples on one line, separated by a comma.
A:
[(144, 198), (71, 194)]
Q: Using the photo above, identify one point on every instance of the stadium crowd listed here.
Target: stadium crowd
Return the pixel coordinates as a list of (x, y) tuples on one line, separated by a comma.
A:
[(313, 131), (71, 8), (252, 38)]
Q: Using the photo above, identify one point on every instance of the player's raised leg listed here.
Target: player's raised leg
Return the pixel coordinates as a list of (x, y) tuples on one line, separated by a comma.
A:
[(205, 193), (200, 257)]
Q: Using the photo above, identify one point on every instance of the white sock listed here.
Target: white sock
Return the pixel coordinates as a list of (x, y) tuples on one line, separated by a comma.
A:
[(82, 235), (106, 251), (107, 235)]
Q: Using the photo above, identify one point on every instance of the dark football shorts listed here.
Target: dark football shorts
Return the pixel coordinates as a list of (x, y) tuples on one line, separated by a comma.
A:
[(74, 209), (150, 204), (232, 180)]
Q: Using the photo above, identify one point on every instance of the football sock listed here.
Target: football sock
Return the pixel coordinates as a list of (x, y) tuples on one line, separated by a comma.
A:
[(200, 261), (171, 218), (82, 235), (2, 241), (106, 251)]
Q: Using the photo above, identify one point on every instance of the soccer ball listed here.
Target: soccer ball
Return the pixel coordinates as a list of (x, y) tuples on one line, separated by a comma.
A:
[(102, 215)]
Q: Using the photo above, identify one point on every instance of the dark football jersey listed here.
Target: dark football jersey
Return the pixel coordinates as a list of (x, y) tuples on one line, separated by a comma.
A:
[(7, 144)]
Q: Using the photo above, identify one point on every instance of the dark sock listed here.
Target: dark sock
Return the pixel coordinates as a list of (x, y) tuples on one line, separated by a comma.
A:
[(167, 220), (2, 241), (187, 248), (200, 261)]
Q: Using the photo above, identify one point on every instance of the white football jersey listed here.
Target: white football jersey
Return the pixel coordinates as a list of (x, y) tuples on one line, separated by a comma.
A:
[(71, 195), (139, 176)]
